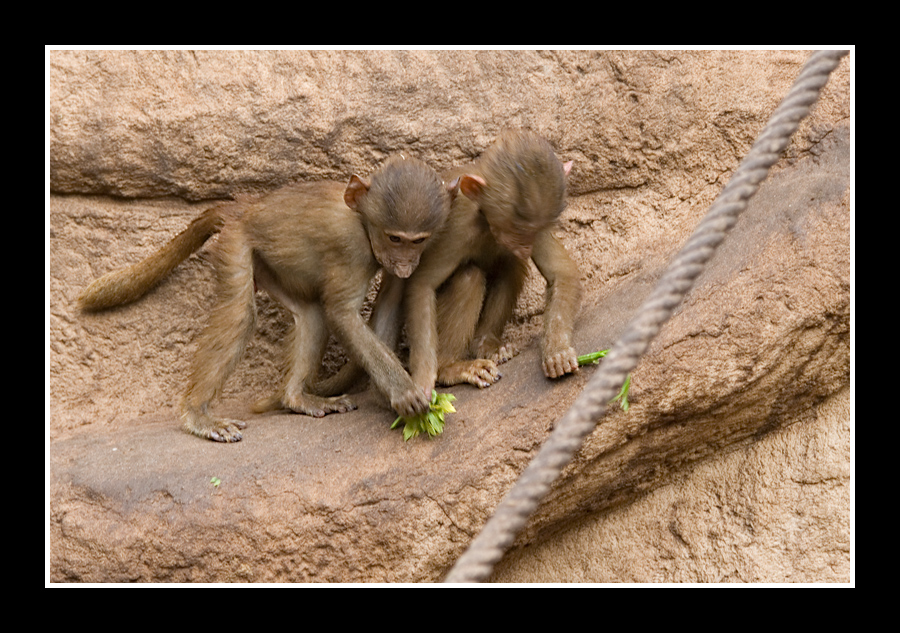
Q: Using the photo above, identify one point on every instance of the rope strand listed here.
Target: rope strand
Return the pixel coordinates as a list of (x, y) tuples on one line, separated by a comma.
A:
[(477, 563)]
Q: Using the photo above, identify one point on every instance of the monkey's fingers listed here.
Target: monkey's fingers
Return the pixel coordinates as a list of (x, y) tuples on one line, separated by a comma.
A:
[(560, 363), (505, 353), (306, 404), (337, 404), (413, 402), (229, 431)]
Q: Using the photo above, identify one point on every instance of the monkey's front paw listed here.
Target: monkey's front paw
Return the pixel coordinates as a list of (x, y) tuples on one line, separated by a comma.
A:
[(560, 363), (480, 372), (413, 402)]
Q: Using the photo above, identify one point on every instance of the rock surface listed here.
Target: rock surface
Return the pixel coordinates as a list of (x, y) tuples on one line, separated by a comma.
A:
[(141, 141)]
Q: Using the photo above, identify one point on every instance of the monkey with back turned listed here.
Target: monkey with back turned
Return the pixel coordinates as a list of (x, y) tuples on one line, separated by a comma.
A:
[(314, 247)]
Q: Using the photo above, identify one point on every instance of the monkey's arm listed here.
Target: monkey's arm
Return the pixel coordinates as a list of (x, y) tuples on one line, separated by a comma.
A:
[(370, 352), (450, 249), (421, 309), (386, 321), (421, 329), (563, 302), (498, 309)]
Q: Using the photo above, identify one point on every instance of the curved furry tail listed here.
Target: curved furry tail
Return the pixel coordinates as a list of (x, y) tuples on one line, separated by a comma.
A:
[(128, 284)]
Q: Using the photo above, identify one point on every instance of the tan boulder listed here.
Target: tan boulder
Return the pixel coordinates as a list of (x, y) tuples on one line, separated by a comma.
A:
[(733, 462)]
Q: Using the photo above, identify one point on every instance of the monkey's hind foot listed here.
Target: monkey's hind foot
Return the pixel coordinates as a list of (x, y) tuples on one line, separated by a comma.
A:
[(319, 406), (490, 348), (505, 353), (480, 372), (307, 404), (215, 429)]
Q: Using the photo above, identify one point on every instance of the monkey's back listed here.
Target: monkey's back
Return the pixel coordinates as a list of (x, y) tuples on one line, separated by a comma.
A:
[(307, 231)]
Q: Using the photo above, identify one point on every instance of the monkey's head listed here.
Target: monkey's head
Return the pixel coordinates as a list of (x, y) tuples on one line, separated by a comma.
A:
[(402, 207), (521, 190)]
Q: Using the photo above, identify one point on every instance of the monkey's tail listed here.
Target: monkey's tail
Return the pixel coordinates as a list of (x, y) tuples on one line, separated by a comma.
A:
[(128, 284)]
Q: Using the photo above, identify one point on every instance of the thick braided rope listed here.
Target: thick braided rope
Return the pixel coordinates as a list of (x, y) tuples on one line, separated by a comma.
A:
[(509, 518)]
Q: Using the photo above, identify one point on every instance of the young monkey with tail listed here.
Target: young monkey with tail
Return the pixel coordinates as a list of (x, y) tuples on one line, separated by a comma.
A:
[(315, 248)]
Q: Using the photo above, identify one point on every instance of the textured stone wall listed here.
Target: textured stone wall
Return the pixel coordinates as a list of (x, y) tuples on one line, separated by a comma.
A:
[(140, 142)]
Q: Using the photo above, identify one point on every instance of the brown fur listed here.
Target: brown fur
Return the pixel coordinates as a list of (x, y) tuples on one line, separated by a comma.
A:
[(316, 256), (512, 198), (129, 284)]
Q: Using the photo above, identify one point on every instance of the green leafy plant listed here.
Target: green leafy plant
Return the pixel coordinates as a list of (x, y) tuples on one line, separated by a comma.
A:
[(623, 394), (430, 422), (215, 481), (594, 358)]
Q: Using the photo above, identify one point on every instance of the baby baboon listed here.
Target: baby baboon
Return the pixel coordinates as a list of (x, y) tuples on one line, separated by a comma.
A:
[(463, 293), (314, 247)]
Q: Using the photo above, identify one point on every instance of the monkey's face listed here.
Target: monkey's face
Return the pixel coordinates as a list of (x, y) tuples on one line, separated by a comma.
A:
[(402, 206), (521, 189), (516, 220), (517, 204), (519, 239), (398, 251)]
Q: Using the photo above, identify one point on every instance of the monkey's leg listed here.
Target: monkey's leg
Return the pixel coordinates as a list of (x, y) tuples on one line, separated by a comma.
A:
[(498, 308), (222, 342), (305, 348), (459, 307)]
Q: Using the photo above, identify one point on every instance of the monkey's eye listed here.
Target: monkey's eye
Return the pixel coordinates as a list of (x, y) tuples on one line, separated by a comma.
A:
[(395, 239), (419, 241)]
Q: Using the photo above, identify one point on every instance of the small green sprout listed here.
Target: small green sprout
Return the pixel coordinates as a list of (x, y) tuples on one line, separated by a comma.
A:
[(593, 359), (430, 422), (215, 481), (623, 394)]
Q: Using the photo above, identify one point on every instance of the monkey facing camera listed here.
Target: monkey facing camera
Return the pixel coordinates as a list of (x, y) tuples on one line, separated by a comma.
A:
[(315, 248)]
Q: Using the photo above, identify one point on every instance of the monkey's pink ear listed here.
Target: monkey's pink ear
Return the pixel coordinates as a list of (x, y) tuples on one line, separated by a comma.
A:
[(567, 167), (356, 189), (452, 188), (472, 186)]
